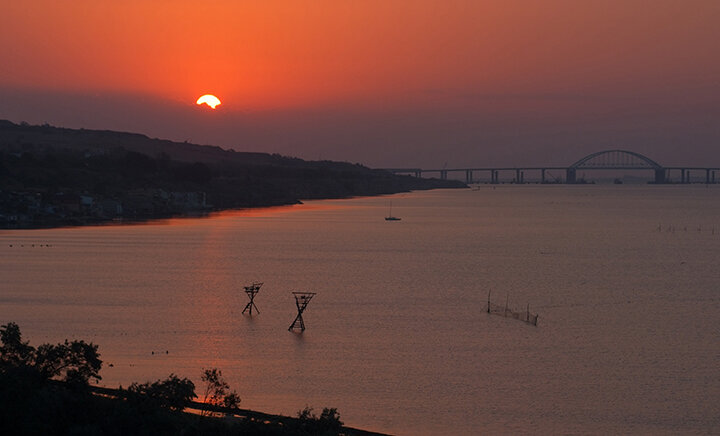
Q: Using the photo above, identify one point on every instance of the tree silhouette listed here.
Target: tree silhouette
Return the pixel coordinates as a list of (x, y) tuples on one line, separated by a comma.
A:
[(75, 362), (13, 351), (172, 393), (216, 391)]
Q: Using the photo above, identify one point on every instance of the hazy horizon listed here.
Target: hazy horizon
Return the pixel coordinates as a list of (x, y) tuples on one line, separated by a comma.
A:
[(385, 84)]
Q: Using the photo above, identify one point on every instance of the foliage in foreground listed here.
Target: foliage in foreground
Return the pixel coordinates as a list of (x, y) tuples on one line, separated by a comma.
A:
[(74, 362), (216, 391), (44, 391), (172, 393), (327, 423)]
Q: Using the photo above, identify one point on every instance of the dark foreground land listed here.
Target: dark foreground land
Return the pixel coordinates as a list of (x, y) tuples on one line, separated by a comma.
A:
[(47, 391), (52, 176)]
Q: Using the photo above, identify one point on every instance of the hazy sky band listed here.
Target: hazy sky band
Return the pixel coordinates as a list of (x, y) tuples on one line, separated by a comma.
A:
[(479, 63)]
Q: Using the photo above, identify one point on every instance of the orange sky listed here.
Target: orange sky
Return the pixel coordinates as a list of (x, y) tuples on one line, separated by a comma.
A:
[(628, 59), (305, 53)]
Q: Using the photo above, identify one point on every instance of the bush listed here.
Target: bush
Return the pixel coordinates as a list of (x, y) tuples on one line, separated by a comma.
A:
[(75, 362), (328, 423), (216, 390), (172, 393)]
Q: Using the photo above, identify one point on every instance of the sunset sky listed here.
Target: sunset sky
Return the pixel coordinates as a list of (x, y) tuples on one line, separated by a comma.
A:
[(385, 83)]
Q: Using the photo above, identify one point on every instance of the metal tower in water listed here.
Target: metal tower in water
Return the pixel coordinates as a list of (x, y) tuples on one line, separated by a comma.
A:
[(251, 291), (301, 301)]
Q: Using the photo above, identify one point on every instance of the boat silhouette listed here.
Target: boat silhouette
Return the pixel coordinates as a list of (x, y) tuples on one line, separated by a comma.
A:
[(390, 216)]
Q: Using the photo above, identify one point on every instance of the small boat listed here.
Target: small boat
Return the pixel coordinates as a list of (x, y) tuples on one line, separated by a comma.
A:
[(390, 217)]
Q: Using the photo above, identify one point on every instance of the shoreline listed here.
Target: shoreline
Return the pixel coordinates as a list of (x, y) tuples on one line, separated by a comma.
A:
[(54, 177), (239, 413), (60, 223)]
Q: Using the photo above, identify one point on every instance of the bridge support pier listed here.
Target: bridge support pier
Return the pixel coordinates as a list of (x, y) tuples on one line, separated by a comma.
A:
[(570, 175), (685, 176), (494, 177), (660, 176), (443, 175), (542, 175), (468, 176), (707, 177)]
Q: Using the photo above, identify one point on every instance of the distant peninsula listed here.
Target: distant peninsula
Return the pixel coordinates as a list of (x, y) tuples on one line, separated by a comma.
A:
[(52, 176)]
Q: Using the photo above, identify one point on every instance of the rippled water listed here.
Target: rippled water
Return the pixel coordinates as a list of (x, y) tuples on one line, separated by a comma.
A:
[(625, 280)]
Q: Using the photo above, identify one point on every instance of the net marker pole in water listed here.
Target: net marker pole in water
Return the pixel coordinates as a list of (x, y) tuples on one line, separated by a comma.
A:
[(301, 301), (507, 312), (527, 311), (251, 291)]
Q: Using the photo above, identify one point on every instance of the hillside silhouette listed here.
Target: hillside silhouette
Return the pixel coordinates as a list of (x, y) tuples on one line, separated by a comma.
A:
[(58, 176)]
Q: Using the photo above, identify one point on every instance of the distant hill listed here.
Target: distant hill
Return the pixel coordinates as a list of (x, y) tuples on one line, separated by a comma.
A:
[(25, 137), (56, 176)]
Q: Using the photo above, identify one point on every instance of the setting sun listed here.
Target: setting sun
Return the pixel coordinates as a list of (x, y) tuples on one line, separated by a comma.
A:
[(209, 100)]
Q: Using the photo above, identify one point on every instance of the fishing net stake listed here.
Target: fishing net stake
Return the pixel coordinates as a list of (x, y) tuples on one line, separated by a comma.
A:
[(251, 291), (301, 301)]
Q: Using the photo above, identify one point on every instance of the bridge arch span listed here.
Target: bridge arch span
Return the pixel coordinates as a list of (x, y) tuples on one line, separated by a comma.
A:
[(616, 159)]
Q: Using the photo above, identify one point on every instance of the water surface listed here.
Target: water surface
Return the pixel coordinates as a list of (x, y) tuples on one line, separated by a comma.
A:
[(625, 279)]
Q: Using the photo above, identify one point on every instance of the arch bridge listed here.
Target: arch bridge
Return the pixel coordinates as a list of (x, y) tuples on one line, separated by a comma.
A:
[(602, 160), (615, 160)]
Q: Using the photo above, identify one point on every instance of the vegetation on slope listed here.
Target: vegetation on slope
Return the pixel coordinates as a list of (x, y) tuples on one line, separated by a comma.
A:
[(53, 175), (46, 391)]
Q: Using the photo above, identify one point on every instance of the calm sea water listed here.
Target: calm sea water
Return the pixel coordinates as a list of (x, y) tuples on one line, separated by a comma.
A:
[(625, 280)]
